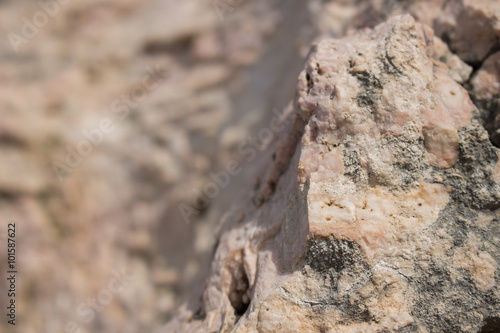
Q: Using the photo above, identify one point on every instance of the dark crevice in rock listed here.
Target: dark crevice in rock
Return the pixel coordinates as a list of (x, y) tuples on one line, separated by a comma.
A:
[(390, 67), (476, 65), (314, 129), (489, 113), (238, 293), (310, 83), (488, 109), (283, 155), (200, 314), (491, 325)]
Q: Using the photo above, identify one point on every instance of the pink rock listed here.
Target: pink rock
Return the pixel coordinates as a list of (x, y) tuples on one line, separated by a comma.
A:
[(471, 27), (379, 210)]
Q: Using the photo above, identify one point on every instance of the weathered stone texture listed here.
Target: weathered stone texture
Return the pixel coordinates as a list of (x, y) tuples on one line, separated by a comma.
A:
[(387, 216), (471, 28)]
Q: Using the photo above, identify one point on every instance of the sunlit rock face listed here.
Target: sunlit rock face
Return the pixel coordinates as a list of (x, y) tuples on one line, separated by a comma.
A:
[(379, 210)]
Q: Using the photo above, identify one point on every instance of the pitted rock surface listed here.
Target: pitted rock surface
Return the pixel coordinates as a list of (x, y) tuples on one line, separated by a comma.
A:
[(379, 210)]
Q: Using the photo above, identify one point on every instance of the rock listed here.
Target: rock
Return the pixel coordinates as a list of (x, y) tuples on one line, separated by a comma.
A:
[(33, 180), (470, 27), (459, 70), (119, 207), (379, 209), (224, 74), (486, 90)]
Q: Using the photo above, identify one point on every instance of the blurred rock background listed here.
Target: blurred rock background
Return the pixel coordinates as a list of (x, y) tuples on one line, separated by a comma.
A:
[(118, 209), (226, 65)]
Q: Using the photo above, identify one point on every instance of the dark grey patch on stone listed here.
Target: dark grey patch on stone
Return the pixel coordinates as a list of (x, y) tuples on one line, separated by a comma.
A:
[(412, 328), (410, 158), (446, 298), (493, 228), (389, 65), (371, 92), (470, 179), (462, 306), (460, 231), (352, 166), (327, 255), (329, 258)]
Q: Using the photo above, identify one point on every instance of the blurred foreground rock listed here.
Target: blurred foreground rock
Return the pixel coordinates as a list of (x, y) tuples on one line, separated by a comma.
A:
[(379, 208)]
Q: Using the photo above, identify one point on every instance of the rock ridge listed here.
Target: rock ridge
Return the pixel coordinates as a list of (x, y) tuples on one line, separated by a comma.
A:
[(380, 211)]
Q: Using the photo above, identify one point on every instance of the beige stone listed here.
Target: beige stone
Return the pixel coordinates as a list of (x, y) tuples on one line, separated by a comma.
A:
[(381, 217)]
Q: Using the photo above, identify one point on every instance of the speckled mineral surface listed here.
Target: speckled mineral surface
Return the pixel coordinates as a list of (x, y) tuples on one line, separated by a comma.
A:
[(379, 209)]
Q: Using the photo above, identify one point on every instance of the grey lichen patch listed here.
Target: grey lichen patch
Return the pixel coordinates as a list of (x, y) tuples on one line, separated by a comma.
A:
[(333, 265), (407, 166), (371, 94), (471, 179), (329, 256), (352, 165), (409, 158), (337, 289), (454, 275)]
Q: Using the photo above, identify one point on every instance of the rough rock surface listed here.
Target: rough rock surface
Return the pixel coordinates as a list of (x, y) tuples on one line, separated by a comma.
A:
[(486, 91), (379, 210), (224, 78), (471, 28)]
